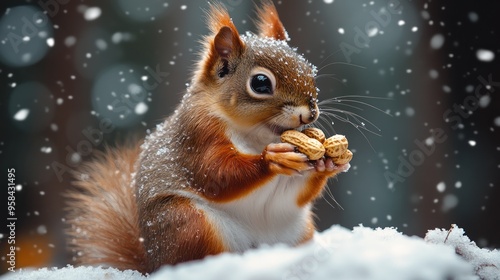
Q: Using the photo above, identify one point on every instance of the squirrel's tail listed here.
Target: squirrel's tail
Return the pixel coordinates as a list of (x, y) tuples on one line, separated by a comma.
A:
[(102, 213)]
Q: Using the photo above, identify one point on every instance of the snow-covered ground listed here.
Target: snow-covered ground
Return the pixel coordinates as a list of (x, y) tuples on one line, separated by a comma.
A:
[(337, 253)]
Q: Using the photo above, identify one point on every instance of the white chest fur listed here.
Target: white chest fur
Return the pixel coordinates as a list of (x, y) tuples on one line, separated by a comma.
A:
[(251, 141), (268, 215)]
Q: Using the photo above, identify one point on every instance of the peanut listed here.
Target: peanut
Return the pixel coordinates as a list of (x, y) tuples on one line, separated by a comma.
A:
[(312, 143), (315, 133), (336, 146), (311, 147), (343, 159)]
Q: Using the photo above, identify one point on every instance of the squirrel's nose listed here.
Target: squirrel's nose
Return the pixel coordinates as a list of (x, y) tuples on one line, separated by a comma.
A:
[(308, 118), (312, 114)]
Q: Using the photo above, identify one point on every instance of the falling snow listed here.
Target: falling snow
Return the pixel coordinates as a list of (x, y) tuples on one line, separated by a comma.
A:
[(42, 229), (484, 101), (92, 13), (46, 150), (141, 108), (496, 121), (441, 187), (50, 42), (69, 41), (21, 115), (485, 55), (473, 16), (437, 41), (434, 74), (450, 201)]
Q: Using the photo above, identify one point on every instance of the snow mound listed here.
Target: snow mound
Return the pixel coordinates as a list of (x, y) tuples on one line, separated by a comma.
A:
[(73, 273), (337, 253), (486, 263)]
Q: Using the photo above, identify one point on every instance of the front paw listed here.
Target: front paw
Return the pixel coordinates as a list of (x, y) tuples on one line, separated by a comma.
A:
[(329, 167), (283, 159)]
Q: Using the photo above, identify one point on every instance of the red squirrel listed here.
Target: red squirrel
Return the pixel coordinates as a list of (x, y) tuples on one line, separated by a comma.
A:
[(214, 176)]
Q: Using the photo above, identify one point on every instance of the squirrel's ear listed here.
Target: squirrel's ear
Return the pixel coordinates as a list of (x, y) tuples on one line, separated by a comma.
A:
[(227, 43), (268, 22), (227, 40)]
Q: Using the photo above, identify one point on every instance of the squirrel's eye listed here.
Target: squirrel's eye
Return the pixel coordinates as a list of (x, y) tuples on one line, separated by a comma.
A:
[(261, 84)]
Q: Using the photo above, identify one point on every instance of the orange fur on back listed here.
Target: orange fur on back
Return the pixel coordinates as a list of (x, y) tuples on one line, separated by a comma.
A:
[(103, 215)]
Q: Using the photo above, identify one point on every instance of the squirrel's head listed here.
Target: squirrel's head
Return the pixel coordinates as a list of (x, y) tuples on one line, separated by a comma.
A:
[(256, 80)]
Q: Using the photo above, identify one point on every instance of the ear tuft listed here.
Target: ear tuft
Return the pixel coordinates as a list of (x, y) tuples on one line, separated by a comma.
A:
[(269, 23), (219, 17), (227, 39)]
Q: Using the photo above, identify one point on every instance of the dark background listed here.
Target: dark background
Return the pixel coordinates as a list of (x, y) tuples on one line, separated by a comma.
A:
[(419, 64)]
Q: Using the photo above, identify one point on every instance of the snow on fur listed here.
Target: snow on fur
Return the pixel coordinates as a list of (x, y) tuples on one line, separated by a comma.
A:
[(337, 253)]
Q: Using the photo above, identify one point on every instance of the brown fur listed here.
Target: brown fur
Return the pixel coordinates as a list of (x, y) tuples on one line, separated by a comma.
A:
[(103, 213), (134, 208), (178, 231), (314, 187)]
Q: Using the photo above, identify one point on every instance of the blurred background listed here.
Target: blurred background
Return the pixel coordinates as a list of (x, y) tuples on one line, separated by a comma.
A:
[(413, 84)]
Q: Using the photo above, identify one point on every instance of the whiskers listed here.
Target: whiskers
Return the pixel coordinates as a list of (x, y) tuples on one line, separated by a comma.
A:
[(342, 108), (348, 109), (263, 132), (328, 192), (339, 63), (333, 76)]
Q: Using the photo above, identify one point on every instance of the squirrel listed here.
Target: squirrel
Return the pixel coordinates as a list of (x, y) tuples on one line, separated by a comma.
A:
[(213, 177)]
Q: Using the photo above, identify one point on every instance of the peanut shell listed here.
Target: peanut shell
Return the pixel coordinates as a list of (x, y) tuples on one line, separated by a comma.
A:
[(315, 133), (311, 147), (335, 146), (343, 159)]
